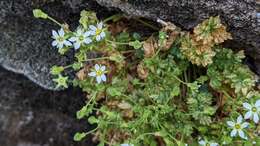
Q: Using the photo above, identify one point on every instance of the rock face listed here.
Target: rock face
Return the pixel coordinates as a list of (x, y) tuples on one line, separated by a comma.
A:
[(26, 41), (239, 15), (32, 116)]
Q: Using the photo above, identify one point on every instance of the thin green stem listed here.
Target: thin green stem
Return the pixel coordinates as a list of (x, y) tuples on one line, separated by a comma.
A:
[(68, 66), (147, 24), (91, 99), (94, 59), (55, 21), (118, 43), (225, 93), (180, 80), (185, 76), (144, 134), (91, 131), (117, 17)]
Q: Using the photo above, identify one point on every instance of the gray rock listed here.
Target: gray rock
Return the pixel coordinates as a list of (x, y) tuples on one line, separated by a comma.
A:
[(32, 116), (239, 15), (26, 41)]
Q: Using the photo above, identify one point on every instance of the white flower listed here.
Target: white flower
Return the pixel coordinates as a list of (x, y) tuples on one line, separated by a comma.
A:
[(80, 38), (125, 144), (207, 143), (59, 39), (238, 127), (97, 31), (99, 73), (253, 111)]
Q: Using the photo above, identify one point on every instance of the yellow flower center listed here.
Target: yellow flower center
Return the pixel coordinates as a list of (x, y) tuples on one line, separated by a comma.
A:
[(99, 72), (81, 38), (254, 109), (60, 39), (207, 144), (238, 126), (98, 31)]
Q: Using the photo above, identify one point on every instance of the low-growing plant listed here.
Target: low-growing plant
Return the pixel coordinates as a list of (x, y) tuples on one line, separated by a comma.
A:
[(171, 88)]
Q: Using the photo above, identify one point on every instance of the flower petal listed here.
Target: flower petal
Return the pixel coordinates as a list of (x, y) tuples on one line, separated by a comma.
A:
[(93, 28), (67, 43), (247, 106), (125, 144), (79, 32), (256, 118), (233, 133), (98, 79), (257, 103), (230, 123), (61, 32), (248, 115), (103, 34), (239, 119), (73, 39), (60, 45), (54, 43), (76, 45), (92, 74), (214, 144), (100, 25), (103, 68), (97, 67), (98, 37), (54, 34), (87, 41), (88, 33), (244, 125), (92, 33), (103, 77), (202, 142), (241, 134)]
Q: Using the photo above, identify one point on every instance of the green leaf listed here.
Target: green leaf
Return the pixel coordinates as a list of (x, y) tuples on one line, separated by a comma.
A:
[(56, 70), (79, 136), (112, 91), (175, 91), (136, 36), (136, 44), (77, 66), (87, 18), (101, 144), (37, 13), (117, 58), (162, 35), (215, 83), (81, 113), (84, 111), (62, 51), (194, 87), (123, 37), (93, 120), (61, 81)]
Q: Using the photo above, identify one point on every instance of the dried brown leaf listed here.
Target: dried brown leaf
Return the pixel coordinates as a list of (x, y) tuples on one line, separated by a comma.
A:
[(150, 45), (142, 71)]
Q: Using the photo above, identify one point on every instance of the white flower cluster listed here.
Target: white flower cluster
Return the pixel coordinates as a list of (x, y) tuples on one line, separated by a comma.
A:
[(99, 73), (238, 126), (80, 37)]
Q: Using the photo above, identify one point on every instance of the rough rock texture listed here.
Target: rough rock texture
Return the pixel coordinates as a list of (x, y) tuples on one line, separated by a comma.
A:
[(239, 16), (32, 116), (26, 41)]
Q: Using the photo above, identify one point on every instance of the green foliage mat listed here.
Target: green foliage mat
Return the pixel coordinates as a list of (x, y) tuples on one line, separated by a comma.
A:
[(172, 88)]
